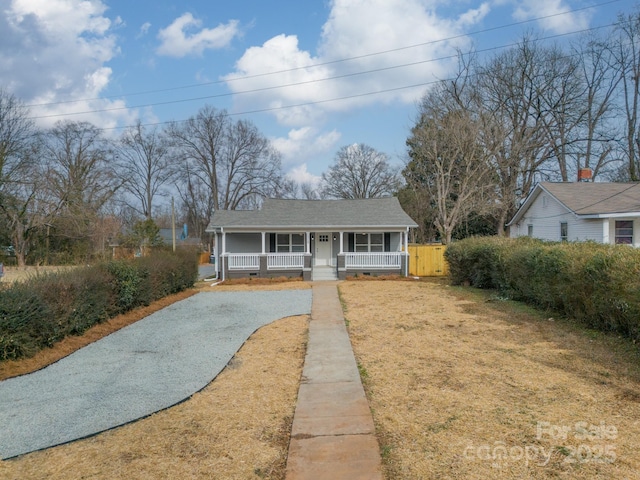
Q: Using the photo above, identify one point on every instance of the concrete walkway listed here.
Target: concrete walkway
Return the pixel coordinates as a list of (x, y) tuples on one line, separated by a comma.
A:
[(333, 436)]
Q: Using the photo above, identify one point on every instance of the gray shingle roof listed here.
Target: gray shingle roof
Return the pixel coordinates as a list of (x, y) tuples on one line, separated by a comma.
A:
[(588, 198), (592, 198), (277, 213)]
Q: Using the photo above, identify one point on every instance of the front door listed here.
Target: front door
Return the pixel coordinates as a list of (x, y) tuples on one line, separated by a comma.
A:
[(323, 249)]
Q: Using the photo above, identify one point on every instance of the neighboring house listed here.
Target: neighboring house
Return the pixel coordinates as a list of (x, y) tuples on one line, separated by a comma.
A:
[(602, 212), (315, 239), (182, 237)]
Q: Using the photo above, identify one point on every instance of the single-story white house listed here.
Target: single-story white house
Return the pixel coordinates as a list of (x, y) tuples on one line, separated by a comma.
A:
[(315, 239), (602, 212)]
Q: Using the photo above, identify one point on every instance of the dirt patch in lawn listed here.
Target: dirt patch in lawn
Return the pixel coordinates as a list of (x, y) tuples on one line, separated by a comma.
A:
[(236, 428), (464, 385), (20, 274)]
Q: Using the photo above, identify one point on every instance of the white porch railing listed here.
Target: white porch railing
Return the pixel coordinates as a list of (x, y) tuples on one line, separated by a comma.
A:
[(374, 260), (243, 261), (284, 261)]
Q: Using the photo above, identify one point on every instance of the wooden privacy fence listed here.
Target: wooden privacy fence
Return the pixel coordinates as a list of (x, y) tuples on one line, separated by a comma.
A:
[(427, 260)]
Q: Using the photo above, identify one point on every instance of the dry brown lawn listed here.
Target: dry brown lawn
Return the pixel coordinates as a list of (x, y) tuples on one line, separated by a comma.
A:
[(17, 274), (462, 385)]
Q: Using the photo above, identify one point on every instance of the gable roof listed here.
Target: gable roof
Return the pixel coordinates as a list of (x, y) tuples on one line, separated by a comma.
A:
[(279, 213), (588, 199)]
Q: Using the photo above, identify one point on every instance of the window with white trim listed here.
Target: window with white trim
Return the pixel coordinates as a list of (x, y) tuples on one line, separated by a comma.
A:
[(564, 231), (287, 242), (368, 242), (624, 232)]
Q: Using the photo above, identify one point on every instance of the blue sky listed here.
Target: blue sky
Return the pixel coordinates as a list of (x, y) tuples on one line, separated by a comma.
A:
[(281, 64)]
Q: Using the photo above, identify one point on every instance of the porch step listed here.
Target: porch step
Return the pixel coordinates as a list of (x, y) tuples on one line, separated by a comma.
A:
[(320, 274)]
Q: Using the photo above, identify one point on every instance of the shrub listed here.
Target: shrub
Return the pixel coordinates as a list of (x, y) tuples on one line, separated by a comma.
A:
[(25, 322), (130, 284), (594, 283), (45, 309)]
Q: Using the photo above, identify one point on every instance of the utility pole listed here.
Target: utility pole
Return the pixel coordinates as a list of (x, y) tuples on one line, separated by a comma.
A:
[(173, 225)]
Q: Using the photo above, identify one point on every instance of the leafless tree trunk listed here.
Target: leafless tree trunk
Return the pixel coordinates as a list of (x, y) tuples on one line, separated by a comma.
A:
[(197, 201)]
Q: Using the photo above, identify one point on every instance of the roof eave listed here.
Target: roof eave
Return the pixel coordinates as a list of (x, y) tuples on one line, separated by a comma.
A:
[(213, 228), (608, 215)]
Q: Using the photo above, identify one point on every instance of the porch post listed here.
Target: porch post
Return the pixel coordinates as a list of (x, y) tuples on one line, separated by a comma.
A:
[(341, 242), (224, 242), (307, 236), (263, 242)]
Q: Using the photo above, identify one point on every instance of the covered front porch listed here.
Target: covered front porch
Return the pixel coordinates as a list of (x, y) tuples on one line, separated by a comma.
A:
[(310, 254)]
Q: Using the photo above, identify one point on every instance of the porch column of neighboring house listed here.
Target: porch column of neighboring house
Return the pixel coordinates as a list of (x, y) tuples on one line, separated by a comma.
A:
[(605, 231), (307, 237), (264, 235), (341, 243)]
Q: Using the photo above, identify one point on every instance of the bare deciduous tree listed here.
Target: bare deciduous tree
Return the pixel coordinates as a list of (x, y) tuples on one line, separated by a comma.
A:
[(233, 160), (514, 132), (448, 160), (23, 203), (80, 177), (598, 133), (145, 166), (625, 48), (360, 171)]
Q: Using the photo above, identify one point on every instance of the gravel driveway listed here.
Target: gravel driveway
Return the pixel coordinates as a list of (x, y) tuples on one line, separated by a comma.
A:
[(138, 370)]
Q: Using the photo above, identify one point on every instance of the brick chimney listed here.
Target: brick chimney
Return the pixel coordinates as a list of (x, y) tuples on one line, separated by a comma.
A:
[(584, 174)]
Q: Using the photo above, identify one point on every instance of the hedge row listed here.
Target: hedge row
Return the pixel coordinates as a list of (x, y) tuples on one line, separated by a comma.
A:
[(45, 309), (594, 283)]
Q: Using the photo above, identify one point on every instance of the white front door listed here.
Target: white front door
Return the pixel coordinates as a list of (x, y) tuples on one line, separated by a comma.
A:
[(323, 249)]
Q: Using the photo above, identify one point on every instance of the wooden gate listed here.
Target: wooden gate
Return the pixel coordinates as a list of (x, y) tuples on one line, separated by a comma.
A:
[(427, 260)]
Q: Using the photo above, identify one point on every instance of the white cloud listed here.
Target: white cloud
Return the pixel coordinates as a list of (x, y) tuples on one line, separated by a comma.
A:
[(144, 29), (182, 37), (381, 26), (301, 175), (529, 9), (302, 144), (54, 51), (472, 17)]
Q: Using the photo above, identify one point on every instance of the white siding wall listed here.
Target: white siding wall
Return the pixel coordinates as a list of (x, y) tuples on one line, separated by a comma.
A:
[(546, 217)]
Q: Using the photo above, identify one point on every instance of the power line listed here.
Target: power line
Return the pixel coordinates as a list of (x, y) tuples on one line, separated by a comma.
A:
[(331, 62), (307, 82), (584, 206)]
